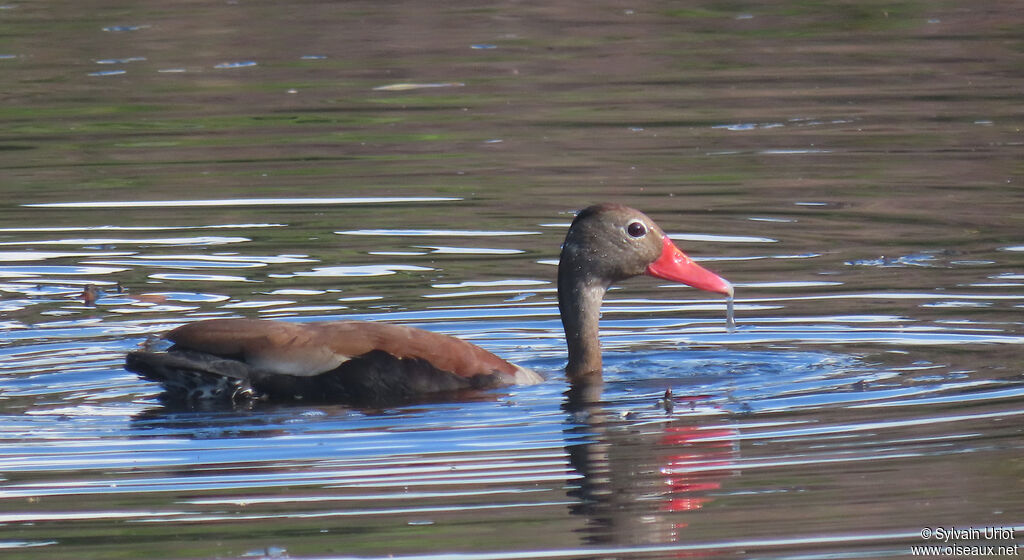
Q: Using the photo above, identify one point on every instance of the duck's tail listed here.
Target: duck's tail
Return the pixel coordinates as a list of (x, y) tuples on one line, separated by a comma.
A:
[(194, 378)]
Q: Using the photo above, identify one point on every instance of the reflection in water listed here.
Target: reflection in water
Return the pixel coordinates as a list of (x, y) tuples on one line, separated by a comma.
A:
[(637, 477)]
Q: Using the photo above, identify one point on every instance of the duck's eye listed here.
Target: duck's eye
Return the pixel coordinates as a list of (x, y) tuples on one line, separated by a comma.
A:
[(636, 229)]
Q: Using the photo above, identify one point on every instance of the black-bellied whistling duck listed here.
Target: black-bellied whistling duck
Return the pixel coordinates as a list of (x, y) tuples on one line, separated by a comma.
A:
[(231, 360)]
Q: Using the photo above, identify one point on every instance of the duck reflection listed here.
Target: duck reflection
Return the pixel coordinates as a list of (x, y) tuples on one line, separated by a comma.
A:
[(640, 477)]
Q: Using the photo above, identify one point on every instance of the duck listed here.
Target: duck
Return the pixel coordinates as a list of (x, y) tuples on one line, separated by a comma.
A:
[(90, 294), (93, 293), (240, 360)]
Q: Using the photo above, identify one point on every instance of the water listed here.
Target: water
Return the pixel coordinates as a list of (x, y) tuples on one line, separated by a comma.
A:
[(854, 170)]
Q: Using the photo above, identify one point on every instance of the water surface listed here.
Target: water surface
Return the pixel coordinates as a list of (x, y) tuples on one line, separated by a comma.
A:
[(853, 169)]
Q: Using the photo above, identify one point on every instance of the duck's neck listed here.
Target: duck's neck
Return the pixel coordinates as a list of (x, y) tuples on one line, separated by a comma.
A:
[(579, 302)]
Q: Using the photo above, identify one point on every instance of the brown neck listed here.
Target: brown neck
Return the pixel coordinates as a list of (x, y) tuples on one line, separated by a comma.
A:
[(579, 302)]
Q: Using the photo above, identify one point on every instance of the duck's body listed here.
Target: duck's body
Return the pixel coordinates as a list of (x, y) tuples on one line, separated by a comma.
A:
[(232, 360)]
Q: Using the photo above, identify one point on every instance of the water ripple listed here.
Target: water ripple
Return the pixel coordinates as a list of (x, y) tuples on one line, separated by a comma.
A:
[(292, 201), (112, 241)]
